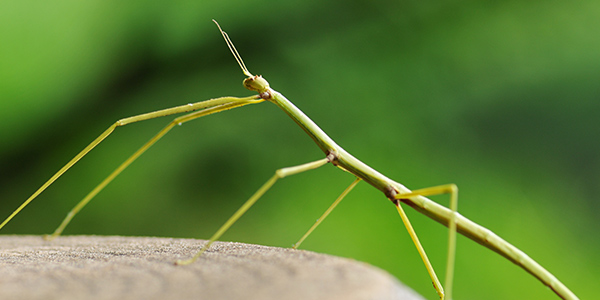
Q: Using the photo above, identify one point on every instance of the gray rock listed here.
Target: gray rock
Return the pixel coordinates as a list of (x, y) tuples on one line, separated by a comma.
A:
[(99, 267)]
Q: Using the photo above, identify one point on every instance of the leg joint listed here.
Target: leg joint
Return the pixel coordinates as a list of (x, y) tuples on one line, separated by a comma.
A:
[(390, 193), (332, 157)]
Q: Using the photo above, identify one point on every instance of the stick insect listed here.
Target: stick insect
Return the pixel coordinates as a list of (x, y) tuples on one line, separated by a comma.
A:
[(335, 155)]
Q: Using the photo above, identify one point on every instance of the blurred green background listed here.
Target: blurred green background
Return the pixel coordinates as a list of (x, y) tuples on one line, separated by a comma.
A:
[(501, 98)]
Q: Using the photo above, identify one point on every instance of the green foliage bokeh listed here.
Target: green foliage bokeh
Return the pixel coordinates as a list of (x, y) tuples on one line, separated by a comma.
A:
[(500, 98)]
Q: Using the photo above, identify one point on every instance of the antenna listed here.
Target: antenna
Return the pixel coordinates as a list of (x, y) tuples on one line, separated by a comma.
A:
[(237, 56)]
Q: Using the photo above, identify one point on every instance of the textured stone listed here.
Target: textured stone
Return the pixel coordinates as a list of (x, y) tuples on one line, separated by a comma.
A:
[(94, 267)]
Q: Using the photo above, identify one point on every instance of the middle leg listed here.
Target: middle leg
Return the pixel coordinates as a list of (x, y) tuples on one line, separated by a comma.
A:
[(281, 173), (451, 189)]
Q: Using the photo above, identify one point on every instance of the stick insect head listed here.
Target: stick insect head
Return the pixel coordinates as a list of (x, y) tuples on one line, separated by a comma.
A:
[(254, 82)]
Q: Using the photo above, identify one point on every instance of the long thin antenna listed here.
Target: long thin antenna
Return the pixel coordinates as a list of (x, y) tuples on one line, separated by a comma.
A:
[(237, 56)]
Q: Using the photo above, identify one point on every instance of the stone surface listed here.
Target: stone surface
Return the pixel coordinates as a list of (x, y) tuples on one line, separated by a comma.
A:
[(94, 267)]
